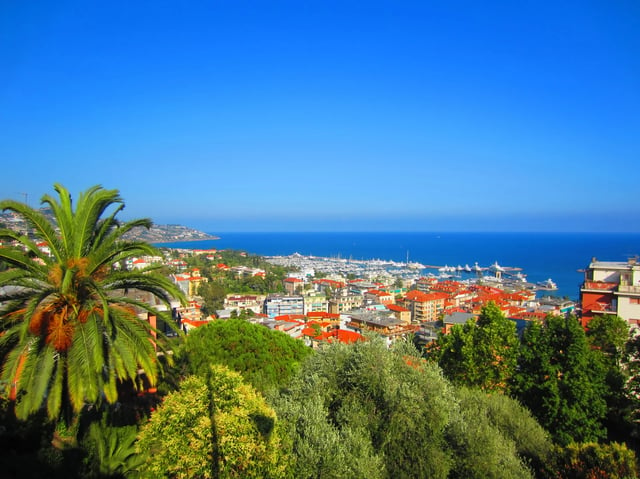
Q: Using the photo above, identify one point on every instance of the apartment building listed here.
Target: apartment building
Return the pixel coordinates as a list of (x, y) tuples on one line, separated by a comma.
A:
[(611, 287)]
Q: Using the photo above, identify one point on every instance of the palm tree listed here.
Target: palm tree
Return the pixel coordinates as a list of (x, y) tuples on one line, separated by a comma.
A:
[(70, 327)]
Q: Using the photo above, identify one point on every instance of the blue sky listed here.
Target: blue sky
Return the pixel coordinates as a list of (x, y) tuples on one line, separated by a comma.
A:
[(329, 115)]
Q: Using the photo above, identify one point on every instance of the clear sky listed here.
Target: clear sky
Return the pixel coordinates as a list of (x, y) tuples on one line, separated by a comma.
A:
[(329, 115)]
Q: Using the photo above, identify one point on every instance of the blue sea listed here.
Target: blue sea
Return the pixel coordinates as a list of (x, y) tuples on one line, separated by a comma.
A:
[(558, 256)]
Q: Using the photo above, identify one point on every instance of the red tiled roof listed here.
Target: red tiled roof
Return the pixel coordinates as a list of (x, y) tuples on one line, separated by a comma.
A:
[(290, 317), (399, 309), (422, 297)]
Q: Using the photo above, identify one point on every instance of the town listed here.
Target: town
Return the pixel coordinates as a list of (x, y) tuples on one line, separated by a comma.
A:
[(331, 299)]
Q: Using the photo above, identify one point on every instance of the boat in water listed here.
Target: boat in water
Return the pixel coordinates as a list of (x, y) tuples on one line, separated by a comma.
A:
[(547, 285)]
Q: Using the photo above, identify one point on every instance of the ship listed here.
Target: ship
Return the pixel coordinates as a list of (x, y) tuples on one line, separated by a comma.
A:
[(547, 284)]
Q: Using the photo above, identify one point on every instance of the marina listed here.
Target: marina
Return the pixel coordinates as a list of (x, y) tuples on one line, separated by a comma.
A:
[(504, 277)]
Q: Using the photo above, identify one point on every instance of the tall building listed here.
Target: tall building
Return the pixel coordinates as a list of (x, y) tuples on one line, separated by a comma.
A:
[(280, 304), (611, 287)]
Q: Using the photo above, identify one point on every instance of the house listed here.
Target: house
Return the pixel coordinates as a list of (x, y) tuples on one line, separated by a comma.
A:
[(377, 296), (403, 314), (314, 338), (293, 285), (454, 319), (241, 302), (611, 287), (383, 324)]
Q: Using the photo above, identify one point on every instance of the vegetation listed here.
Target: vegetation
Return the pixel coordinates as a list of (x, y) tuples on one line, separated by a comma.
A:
[(217, 427), (482, 353), (364, 411), (245, 401), (265, 358), (593, 460), (562, 380), (71, 332)]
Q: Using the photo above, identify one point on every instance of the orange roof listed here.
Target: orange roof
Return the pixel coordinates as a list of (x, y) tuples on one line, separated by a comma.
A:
[(377, 292), (290, 317), (322, 315), (399, 309), (341, 335), (422, 297), (194, 323), (293, 280)]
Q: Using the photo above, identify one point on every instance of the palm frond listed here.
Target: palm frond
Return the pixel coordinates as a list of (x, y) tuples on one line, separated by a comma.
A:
[(105, 225), (110, 253), (63, 213), (91, 205), (54, 397), (18, 259), (34, 380), (84, 374), (26, 244), (37, 221)]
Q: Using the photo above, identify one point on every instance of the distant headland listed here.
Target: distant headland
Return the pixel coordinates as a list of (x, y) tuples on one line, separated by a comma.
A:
[(155, 234), (168, 234)]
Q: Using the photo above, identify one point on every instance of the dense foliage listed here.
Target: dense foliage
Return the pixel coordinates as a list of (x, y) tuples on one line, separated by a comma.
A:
[(391, 414), (562, 380), (482, 353), (266, 358), (214, 427)]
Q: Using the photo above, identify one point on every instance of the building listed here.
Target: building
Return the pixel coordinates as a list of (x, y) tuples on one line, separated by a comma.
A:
[(342, 303), (611, 287), (425, 306), (293, 285), (403, 314), (279, 304), (241, 302), (315, 302), (376, 296)]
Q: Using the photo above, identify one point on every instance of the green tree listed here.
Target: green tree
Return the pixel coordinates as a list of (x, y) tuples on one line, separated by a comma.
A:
[(212, 294), (265, 358), (362, 410), (70, 328), (495, 436), (482, 353), (216, 427), (608, 335), (562, 380), (593, 460)]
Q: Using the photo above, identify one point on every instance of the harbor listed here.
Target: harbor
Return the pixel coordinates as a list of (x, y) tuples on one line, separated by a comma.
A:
[(503, 277)]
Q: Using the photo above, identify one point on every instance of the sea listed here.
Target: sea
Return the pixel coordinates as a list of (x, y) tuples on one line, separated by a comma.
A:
[(561, 257)]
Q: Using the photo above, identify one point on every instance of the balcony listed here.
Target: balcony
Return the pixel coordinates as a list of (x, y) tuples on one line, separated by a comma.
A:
[(598, 307), (599, 286), (629, 290)]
